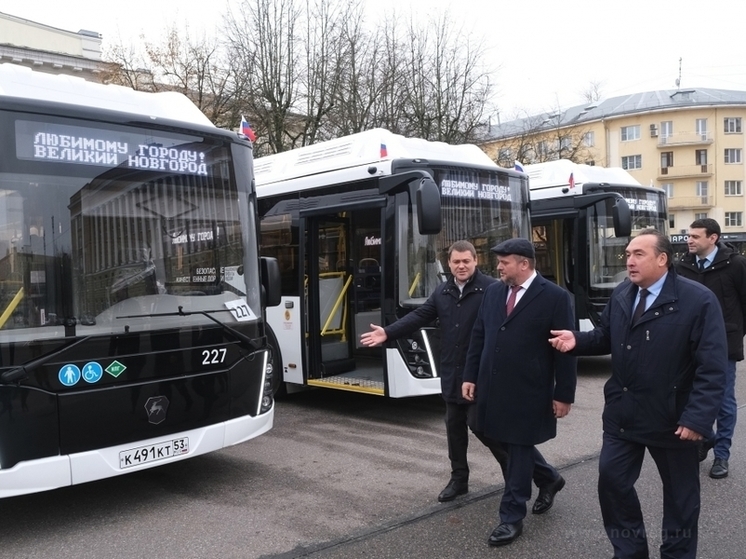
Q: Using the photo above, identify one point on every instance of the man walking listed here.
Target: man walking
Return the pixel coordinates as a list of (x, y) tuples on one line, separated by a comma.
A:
[(520, 385), (666, 337), (455, 303), (719, 267)]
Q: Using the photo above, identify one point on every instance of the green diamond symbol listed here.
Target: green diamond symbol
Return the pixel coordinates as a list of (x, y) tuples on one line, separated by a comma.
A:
[(115, 369)]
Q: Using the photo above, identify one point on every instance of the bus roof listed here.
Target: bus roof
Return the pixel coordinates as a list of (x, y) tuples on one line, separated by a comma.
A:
[(25, 83), (351, 157), (554, 174)]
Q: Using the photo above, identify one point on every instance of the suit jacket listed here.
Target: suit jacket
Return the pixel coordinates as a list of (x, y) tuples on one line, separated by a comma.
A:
[(668, 369), (516, 371)]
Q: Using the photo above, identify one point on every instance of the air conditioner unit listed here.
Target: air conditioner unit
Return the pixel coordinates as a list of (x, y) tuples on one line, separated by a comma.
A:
[(653, 131)]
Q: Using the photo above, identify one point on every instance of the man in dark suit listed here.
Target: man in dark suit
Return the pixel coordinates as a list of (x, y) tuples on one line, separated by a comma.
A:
[(521, 386), (666, 336)]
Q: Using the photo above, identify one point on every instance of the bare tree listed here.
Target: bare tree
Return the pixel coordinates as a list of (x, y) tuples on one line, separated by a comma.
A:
[(593, 93)]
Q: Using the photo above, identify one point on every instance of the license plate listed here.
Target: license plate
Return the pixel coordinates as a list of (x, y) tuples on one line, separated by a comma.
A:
[(153, 453)]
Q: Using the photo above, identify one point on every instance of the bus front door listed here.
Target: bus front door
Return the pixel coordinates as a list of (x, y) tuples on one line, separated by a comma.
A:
[(343, 294)]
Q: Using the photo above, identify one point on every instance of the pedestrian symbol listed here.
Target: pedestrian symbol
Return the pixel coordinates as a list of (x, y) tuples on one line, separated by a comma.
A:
[(69, 375), (92, 372)]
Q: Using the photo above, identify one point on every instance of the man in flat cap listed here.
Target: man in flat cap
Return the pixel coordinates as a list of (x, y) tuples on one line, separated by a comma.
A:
[(520, 384)]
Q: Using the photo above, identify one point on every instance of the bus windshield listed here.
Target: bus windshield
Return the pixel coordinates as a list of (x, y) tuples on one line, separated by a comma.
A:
[(483, 207), (608, 263), (103, 227)]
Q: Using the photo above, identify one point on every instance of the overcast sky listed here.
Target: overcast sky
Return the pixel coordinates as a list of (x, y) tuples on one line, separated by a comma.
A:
[(546, 53)]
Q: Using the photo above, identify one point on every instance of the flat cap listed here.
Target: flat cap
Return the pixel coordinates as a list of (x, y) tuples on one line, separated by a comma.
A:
[(520, 247)]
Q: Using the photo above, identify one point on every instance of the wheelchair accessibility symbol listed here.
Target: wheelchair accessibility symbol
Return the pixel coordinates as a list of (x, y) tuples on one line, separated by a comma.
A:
[(92, 372)]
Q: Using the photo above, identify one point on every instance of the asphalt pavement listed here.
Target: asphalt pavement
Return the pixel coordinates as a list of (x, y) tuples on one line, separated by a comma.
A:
[(573, 527)]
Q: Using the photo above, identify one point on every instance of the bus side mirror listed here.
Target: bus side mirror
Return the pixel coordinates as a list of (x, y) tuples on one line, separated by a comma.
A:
[(428, 207), (270, 270), (622, 218)]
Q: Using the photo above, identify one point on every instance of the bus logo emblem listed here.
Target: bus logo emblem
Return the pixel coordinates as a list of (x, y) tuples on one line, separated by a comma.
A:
[(115, 369), (156, 408)]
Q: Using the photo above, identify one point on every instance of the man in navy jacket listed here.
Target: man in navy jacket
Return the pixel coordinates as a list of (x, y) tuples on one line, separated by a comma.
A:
[(667, 341), (520, 384), (455, 304)]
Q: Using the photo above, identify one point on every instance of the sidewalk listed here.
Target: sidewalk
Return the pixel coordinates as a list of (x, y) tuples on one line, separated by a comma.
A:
[(572, 529)]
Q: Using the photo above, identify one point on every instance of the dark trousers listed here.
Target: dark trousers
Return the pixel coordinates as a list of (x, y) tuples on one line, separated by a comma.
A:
[(619, 468), (524, 463), (459, 419)]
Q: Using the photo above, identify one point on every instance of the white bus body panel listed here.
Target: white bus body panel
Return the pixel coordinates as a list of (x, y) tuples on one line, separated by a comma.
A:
[(401, 382), (552, 179), (288, 325), (18, 81), (61, 471), (351, 158)]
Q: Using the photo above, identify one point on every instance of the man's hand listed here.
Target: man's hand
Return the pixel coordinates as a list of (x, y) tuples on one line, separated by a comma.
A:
[(564, 340), (375, 337), (467, 391), (686, 434), (561, 409)]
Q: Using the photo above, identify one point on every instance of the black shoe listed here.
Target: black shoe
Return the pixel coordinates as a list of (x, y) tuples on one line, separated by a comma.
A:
[(703, 448), (453, 490), (505, 534), (545, 500), (719, 469)]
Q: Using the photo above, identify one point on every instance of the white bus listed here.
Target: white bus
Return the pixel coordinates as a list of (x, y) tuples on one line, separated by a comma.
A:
[(582, 218), (131, 320), (358, 245)]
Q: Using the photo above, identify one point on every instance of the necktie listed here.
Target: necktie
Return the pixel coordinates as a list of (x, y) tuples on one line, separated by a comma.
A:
[(640, 308), (511, 299), (702, 262)]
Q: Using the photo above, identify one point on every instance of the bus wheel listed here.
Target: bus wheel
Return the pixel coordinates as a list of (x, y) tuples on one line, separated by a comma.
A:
[(275, 358)]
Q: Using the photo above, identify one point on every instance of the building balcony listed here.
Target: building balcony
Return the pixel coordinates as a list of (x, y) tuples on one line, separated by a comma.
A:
[(685, 139), (684, 171), (690, 202)]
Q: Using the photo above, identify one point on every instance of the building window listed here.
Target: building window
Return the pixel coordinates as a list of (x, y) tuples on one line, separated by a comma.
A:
[(702, 127), (589, 139), (732, 125), (702, 215), (630, 133), (666, 129), (703, 191), (734, 219), (734, 188), (733, 155), (671, 221), (541, 149), (668, 189), (666, 159), (700, 156), (505, 154), (632, 162)]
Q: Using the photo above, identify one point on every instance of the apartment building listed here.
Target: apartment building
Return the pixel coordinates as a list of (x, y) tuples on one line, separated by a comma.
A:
[(688, 142), (51, 50)]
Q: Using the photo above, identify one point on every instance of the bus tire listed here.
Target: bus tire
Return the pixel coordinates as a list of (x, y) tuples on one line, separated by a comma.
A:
[(275, 357)]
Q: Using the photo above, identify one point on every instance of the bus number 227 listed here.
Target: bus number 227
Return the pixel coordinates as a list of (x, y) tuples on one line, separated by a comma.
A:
[(213, 356)]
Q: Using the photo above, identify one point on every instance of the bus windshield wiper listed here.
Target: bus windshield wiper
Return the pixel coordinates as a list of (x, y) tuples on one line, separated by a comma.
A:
[(251, 344), (23, 371)]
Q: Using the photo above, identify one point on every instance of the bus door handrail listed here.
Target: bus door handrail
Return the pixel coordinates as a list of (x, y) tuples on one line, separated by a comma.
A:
[(10, 309), (338, 302)]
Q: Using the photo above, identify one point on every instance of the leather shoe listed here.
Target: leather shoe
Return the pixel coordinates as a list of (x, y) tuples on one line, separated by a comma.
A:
[(719, 469), (505, 534), (703, 448), (453, 490), (545, 500)]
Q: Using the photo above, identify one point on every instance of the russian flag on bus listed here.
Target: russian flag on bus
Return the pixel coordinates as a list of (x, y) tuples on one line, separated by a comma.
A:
[(572, 181), (246, 129), (519, 167), (384, 151)]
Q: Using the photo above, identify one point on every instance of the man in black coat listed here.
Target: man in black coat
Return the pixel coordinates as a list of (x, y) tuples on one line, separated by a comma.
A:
[(520, 384), (666, 337), (455, 303), (719, 267)]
